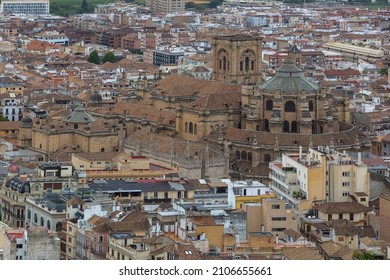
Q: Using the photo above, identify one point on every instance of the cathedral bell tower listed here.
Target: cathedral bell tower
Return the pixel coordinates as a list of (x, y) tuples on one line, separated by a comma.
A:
[(237, 59)]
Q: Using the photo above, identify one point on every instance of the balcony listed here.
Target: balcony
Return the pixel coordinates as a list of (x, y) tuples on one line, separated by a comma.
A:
[(282, 181), (285, 193)]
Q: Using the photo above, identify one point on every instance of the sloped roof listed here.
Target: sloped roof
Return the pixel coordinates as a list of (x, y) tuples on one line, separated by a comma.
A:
[(336, 250), (302, 253), (289, 79), (342, 207), (79, 115)]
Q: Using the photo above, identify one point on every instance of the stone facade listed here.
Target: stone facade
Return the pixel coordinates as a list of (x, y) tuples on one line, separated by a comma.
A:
[(77, 132), (236, 59)]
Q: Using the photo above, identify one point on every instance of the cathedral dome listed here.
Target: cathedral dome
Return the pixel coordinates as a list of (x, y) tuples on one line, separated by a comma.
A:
[(289, 79), (96, 98), (79, 116), (26, 122)]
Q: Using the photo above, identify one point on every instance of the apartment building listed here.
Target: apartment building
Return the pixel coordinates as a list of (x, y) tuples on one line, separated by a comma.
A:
[(299, 179), (11, 106), (322, 174), (32, 7), (273, 215), (165, 6)]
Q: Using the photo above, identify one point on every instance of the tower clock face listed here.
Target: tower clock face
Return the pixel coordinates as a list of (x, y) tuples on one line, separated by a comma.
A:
[(125, 167)]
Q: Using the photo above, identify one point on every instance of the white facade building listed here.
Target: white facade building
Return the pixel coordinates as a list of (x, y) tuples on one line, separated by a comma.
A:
[(32, 7)]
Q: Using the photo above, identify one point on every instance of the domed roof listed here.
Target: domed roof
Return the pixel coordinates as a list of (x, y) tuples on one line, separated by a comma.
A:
[(26, 122), (289, 79), (18, 185), (13, 168), (96, 98)]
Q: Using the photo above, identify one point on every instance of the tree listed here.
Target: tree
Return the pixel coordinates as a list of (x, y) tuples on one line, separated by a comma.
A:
[(384, 71), (366, 255), (84, 7), (94, 57), (3, 119), (109, 57)]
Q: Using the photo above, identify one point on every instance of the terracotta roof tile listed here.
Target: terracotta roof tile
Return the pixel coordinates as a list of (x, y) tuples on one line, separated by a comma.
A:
[(342, 207), (302, 253), (175, 85), (336, 250), (203, 220), (217, 102)]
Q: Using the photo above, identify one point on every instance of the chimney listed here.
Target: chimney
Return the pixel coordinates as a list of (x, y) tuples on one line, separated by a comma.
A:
[(277, 239), (359, 158), (262, 228)]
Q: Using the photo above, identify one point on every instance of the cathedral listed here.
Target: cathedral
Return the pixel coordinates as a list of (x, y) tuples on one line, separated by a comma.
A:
[(281, 114), (232, 125)]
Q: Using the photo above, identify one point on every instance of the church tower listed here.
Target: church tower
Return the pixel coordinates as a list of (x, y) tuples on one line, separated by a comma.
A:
[(295, 55), (237, 59)]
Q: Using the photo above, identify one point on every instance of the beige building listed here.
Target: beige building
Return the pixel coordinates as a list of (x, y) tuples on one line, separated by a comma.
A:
[(165, 6), (77, 132), (299, 179), (321, 174), (273, 216), (384, 217), (353, 211)]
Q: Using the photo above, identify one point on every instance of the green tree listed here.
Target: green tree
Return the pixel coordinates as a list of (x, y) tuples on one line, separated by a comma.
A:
[(384, 71), (84, 7), (94, 57), (3, 119), (367, 255), (109, 57)]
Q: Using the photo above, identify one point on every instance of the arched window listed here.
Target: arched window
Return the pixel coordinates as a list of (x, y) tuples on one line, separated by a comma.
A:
[(58, 226), (186, 127), (321, 129), (289, 106), (195, 129), (269, 105), (238, 155), (311, 106), (243, 155), (42, 222), (249, 156), (246, 63), (35, 218), (266, 125), (267, 158), (48, 225), (241, 68), (18, 213), (191, 128), (294, 126), (102, 150), (224, 63), (286, 126), (76, 126)]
